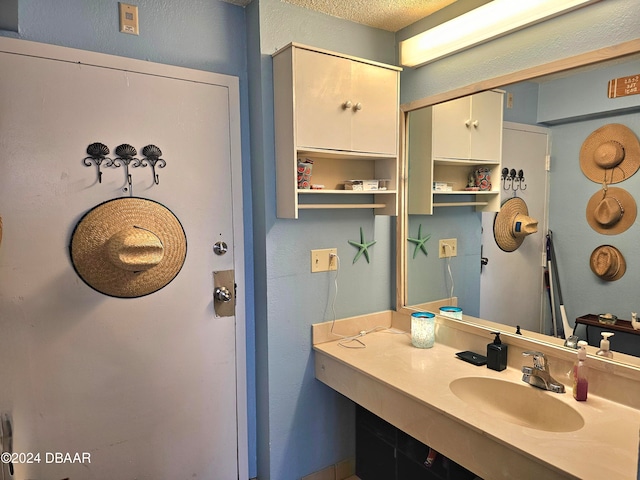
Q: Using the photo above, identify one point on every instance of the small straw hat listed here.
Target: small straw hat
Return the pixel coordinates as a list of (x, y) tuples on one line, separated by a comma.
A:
[(512, 224), (128, 247), (607, 263), (610, 154), (611, 211)]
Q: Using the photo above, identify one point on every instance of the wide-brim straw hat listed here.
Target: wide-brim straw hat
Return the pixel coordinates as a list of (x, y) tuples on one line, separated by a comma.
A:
[(610, 154), (607, 263), (512, 224), (611, 211), (128, 247)]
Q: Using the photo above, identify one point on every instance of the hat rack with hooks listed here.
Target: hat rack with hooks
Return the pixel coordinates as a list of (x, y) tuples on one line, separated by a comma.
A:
[(126, 156), (512, 180)]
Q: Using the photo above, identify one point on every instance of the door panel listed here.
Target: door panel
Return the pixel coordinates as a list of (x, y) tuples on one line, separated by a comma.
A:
[(512, 284), (147, 386)]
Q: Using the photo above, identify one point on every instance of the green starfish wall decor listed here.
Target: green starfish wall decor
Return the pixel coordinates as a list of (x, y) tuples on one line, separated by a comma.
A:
[(420, 242), (362, 246)]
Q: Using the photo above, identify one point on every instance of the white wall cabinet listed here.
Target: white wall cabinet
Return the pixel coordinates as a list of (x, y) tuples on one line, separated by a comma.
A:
[(447, 142), (342, 112)]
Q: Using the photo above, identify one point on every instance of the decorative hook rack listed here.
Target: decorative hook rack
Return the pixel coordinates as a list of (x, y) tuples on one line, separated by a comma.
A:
[(126, 157), (512, 180)]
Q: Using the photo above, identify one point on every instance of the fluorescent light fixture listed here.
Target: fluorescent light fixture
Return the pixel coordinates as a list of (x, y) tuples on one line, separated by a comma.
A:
[(489, 21)]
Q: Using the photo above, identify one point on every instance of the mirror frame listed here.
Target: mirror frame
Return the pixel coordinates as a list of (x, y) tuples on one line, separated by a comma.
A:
[(557, 66)]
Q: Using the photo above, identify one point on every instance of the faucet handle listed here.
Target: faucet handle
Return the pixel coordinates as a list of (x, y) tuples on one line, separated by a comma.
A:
[(539, 360)]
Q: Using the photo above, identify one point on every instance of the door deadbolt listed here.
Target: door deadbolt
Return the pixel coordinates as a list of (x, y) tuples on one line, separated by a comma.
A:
[(220, 248)]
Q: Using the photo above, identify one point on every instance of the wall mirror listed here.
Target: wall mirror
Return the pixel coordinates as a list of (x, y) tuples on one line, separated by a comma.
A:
[(424, 278)]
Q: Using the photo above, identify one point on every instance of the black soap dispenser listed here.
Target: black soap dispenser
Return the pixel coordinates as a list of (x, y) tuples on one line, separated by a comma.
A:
[(497, 354)]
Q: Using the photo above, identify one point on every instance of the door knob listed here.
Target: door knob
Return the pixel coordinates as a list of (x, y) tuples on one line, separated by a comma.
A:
[(222, 294), (357, 106), (347, 104)]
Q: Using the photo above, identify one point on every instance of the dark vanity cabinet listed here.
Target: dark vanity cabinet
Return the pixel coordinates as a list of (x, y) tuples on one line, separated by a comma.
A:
[(384, 452)]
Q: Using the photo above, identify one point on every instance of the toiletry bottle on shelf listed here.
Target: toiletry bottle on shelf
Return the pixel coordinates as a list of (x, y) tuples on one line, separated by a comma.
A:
[(580, 382), (497, 354), (604, 345)]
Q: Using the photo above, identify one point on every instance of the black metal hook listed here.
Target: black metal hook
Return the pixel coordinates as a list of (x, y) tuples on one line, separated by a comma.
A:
[(97, 154), (521, 179), (505, 177), (125, 156), (152, 157)]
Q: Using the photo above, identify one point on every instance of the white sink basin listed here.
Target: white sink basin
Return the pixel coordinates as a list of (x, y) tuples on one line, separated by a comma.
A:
[(520, 404)]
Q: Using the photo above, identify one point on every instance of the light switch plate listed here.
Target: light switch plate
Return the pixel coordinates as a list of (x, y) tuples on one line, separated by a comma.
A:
[(128, 18)]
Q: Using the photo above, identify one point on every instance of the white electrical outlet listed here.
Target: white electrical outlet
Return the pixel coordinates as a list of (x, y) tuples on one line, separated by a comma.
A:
[(448, 247), (324, 260)]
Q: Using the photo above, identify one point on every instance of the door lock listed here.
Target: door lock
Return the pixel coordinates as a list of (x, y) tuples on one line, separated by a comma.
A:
[(224, 293)]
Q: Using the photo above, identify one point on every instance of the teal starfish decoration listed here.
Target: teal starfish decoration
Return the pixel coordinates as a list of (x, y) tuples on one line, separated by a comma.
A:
[(420, 242), (363, 246)]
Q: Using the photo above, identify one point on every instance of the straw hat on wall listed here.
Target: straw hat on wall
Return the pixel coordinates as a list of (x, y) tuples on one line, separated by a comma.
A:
[(611, 211), (128, 247), (607, 263), (610, 154)]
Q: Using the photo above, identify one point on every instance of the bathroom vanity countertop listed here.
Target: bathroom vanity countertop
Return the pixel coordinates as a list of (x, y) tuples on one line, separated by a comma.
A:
[(409, 387)]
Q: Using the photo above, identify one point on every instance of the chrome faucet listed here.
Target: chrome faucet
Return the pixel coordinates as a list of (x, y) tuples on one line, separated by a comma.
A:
[(539, 375)]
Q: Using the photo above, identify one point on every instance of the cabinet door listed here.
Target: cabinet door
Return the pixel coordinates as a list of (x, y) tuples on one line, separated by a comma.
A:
[(486, 127), (374, 112), (322, 85), (451, 129)]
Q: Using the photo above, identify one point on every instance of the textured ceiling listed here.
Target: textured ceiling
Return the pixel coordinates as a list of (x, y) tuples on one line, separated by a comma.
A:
[(391, 15)]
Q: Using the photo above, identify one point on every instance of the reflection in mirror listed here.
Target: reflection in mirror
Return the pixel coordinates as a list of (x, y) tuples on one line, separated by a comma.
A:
[(546, 117)]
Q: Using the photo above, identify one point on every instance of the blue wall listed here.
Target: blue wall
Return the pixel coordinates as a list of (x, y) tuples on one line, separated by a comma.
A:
[(304, 426), (586, 107)]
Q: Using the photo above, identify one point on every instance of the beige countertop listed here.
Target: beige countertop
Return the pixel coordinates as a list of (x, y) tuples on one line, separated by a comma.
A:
[(409, 387)]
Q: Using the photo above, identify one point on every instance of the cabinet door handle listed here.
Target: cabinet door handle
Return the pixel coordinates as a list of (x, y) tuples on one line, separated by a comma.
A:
[(357, 106), (467, 123), (475, 124), (347, 104)]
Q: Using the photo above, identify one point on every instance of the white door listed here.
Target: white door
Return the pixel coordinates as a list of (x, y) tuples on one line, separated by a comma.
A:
[(512, 284), (149, 387)]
